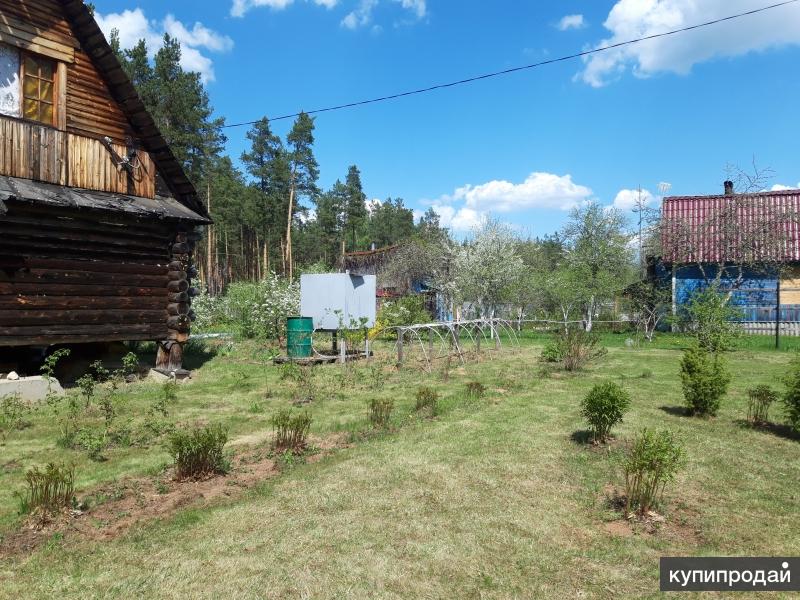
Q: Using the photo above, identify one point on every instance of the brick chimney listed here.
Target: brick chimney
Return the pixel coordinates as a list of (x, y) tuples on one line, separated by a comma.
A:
[(728, 188)]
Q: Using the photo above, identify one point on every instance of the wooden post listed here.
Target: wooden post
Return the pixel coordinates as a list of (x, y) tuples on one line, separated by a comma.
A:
[(400, 335), (478, 339), (778, 312), (430, 344), (343, 351), (496, 338)]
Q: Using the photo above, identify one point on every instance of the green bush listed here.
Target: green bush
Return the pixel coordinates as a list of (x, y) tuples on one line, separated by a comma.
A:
[(792, 397), (168, 395), (573, 348), (291, 430), (130, 364), (475, 390), (94, 442), (761, 398), (199, 452), (552, 351), (12, 414), (49, 490), (380, 412), (650, 462), (86, 384), (603, 407), (427, 400), (705, 381), (408, 310), (711, 319)]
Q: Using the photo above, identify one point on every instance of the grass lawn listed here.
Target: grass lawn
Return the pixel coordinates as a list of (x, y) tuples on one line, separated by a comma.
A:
[(491, 499)]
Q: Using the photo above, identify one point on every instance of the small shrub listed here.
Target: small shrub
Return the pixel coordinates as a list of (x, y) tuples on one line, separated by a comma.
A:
[(427, 400), (306, 388), (48, 368), (712, 320), (574, 349), (380, 412), (650, 463), (289, 370), (130, 364), (705, 381), (49, 490), (476, 390), (168, 396), (86, 384), (199, 452), (792, 397), (603, 407), (761, 398), (291, 429), (94, 442), (12, 414), (101, 374), (552, 352), (646, 374)]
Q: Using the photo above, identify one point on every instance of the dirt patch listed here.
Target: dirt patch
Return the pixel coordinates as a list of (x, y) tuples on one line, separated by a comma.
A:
[(619, 528), (681, 523), (113, 509)]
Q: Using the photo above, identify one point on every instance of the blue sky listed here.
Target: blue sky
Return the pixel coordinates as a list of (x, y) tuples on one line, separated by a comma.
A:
[(522, 148)]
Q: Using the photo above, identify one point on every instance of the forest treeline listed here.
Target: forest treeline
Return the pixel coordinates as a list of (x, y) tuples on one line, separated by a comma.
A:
[(270, 215)]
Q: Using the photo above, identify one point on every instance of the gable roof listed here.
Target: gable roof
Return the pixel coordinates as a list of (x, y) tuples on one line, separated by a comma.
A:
[(94, 43), (758, 226)]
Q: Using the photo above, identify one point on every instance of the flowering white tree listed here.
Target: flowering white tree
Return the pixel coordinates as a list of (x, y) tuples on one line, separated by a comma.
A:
[(599, 255), (255, 309), (488, 267)]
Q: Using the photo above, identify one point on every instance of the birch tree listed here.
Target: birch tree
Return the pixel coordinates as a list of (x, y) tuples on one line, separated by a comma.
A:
[(598, 254)]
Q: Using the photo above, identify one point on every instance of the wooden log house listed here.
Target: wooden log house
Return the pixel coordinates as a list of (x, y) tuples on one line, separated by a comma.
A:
[(97, 217)]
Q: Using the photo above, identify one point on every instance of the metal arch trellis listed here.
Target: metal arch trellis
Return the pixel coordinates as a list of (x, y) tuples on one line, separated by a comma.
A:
[(448, 338)]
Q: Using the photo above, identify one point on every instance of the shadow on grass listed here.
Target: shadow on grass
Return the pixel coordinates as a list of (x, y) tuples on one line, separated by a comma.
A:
[(581, 437), (675, 411), (776, 429), (197, 353)]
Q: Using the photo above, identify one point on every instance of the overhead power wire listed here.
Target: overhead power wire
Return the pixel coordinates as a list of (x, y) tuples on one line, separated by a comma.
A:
[(551, 61)]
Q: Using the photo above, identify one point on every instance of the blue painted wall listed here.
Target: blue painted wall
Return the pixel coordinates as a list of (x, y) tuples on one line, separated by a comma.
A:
[(755, 296)]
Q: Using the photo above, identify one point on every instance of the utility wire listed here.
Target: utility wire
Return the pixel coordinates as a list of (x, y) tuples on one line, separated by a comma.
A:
[(551, 61)]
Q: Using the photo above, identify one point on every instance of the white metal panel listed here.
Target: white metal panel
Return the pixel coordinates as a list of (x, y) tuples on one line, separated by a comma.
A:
[(336, 300)]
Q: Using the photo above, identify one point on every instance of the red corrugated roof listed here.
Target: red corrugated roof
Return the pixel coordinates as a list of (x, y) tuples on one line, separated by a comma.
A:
[(742, 227)]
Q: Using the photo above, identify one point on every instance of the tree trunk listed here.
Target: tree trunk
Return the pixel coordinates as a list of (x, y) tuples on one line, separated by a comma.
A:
[(590, 314), (289, 230)]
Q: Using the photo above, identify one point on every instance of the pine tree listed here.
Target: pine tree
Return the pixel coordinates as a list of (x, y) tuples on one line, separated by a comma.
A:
[(356, 208), (303, 174)]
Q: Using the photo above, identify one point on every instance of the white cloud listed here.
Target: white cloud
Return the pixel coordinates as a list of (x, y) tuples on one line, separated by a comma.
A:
[(133, 26), (630, 19), (362, 15), (240, 7), (462, 219), (468, 205), (539, 190), (782, 188), (627, 200), (571, 22)]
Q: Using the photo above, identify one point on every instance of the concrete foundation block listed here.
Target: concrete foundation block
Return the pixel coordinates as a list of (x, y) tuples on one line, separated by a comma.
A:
[(30, 389)]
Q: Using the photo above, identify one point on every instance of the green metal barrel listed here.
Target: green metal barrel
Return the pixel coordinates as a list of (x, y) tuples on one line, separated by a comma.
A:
[(298, 336)]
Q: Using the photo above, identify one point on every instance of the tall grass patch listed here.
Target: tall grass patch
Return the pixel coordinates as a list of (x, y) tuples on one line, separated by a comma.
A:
[(199, 452)]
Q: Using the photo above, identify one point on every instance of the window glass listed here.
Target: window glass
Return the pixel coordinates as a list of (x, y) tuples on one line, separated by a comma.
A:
[(37, 89), (9, 81)]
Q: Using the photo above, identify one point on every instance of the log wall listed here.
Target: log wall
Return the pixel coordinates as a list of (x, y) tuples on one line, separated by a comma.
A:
[(70, 153), (73, 278)]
